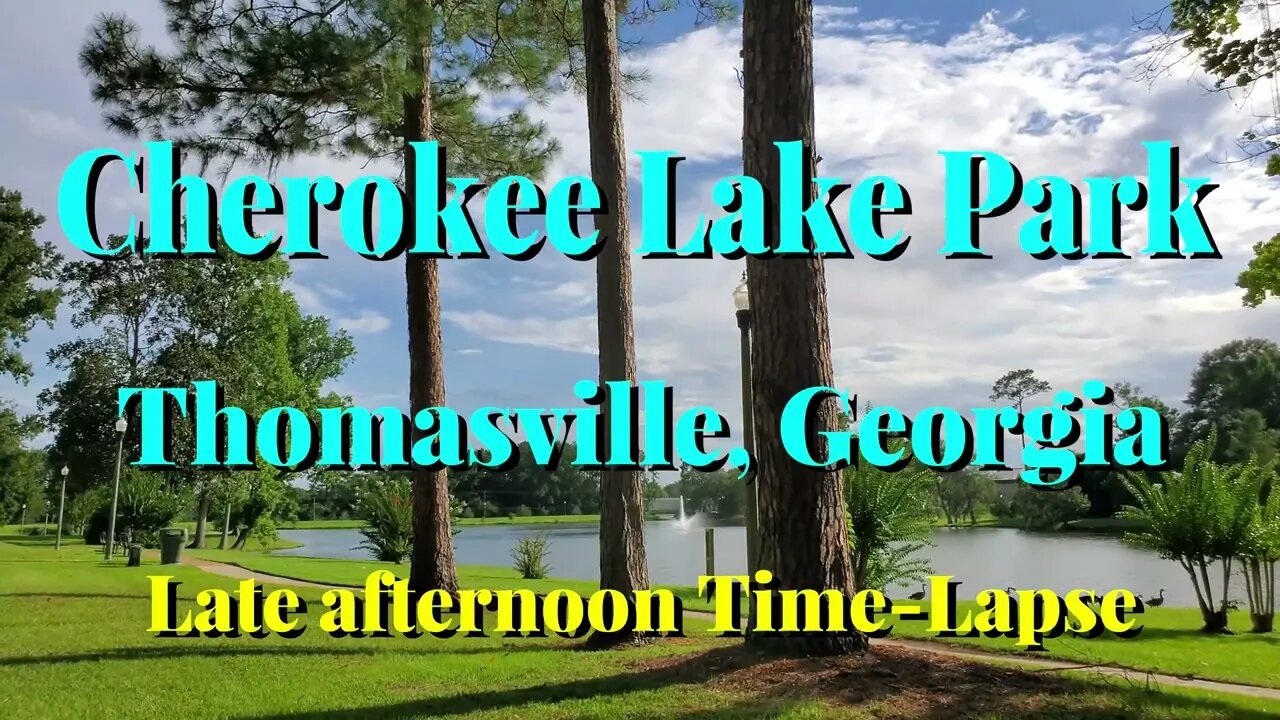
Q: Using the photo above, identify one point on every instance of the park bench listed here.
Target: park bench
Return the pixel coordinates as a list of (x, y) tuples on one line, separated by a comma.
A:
[(121, 544)]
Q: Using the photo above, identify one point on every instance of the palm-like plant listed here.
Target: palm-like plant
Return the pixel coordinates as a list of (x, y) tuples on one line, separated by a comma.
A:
[(889, 520), (1197, 517), (388, 514), (1259, 556)]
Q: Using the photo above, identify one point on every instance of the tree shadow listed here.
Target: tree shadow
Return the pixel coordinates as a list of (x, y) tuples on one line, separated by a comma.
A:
[(203, 648), (1190, 633), (83, 596), (902, 682)]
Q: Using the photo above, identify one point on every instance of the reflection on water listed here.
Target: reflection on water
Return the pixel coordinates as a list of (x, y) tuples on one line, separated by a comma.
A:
[(978, 558)]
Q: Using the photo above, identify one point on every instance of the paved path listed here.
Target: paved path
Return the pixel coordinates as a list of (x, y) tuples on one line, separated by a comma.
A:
[(935, 648)]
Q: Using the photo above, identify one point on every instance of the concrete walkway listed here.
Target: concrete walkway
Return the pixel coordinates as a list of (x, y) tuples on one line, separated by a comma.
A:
[(936, 648)]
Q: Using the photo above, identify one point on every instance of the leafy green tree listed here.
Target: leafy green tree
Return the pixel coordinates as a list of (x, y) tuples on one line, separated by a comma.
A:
[(23, 472), (1198, 517), (1017, 386), (1228, 381), (1047, 509), (1237, 58), (962, 494), (23, 263), (231, 319), (353, 77)]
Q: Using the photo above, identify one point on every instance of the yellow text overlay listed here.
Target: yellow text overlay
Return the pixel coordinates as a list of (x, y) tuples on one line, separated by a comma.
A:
[(386, 607)]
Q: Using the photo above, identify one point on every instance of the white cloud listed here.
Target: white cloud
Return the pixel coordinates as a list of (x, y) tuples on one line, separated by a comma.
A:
[(923, 330), (367, 323)]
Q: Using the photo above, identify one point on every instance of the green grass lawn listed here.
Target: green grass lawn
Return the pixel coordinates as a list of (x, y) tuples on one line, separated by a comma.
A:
[(352, 573), (73, 644), (1169, 643)]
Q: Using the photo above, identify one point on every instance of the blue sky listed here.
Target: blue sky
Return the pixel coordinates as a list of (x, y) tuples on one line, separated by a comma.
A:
[(1051, 85)]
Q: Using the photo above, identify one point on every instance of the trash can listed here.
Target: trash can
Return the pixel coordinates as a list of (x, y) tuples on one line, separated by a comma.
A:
[(135, 555), (171, 542)]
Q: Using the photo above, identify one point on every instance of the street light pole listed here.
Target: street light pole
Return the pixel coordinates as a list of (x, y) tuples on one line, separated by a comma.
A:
[(62, 500), (121, 425), (22, 524), (742, 305)]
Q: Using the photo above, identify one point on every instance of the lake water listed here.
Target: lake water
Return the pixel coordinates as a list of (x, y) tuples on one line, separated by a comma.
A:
[(977, 557)]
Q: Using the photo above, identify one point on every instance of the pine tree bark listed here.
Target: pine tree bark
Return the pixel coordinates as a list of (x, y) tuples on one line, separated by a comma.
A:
[(623, 565), (431, 566), (801, 509)]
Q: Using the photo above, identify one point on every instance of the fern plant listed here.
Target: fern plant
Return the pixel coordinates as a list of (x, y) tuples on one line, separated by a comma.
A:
[(1197, 517), (387, 510), (889, 521)]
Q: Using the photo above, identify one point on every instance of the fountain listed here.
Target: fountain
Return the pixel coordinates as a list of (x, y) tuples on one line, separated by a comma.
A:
[(683, 519)]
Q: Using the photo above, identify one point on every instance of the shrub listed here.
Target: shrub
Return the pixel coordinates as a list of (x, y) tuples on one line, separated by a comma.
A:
[(96, 525), (387, 510), (522, 511), (80, 508), (530, 554), (264, 531), (1047, 509)]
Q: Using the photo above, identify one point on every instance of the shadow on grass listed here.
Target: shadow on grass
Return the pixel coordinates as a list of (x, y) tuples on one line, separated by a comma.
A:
[(82, 596), (887, 681), (197, 648), (1150, 633)]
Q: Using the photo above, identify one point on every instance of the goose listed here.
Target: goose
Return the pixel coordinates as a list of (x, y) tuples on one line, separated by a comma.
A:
[(917, 595), (1156, 601)]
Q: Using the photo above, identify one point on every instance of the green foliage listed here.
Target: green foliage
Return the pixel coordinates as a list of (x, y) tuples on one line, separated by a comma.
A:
[(331, 76), (1259, 555), (265, 532), (79, 509), (1196, 517), (530, 555), (1228, 382), (1210, 28), (23, 261), (720, 493), (147, 504), (527, 489), (963, 494), (889, 519), (1261, 278), (387, 510), (1047, 509), (23, 472)]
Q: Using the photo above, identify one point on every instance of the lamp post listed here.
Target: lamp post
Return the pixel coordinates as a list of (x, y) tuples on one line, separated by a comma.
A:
[(121, 426), (22, 524), (62, 500), (742, 306)]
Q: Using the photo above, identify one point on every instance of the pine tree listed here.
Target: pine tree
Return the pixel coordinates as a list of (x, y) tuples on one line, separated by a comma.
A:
[(264, 81), (802, 517)]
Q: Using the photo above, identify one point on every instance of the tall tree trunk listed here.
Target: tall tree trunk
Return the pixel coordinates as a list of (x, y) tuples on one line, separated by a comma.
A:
[(431, 566), (226, 528), (202, 519), (802, 522), (623, 566)]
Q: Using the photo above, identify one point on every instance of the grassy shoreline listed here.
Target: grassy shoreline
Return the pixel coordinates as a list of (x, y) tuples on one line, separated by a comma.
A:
[(1170, 641), (71, 621)]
